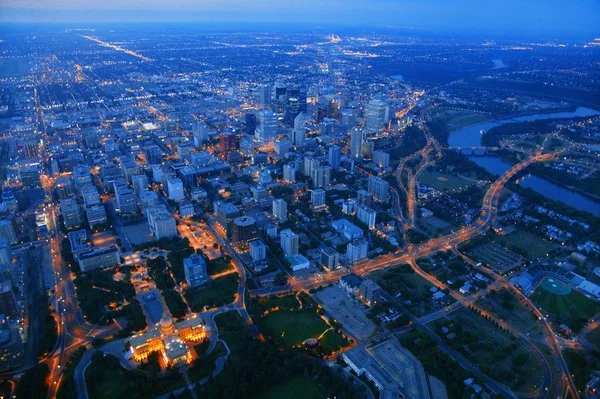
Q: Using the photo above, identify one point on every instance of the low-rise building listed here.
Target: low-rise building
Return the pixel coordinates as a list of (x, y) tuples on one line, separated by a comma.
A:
[(99, 259)]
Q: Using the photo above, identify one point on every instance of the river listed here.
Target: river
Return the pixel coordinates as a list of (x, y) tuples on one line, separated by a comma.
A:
[(470, 136)]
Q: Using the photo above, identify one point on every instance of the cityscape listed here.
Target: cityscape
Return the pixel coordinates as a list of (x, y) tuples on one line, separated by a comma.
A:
[(297, 205)]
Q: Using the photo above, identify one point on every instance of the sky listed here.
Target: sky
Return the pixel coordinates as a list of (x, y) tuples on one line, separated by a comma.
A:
[(519, 17)]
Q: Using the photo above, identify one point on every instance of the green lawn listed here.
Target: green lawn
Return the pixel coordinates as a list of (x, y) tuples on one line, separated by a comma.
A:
[(293, 327), (294, 388), (572, 305), (525, 242), (443, 181), (220, 291), (332, 342)]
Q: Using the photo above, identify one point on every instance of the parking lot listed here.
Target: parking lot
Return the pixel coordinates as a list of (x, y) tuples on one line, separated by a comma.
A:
[(347, 311)]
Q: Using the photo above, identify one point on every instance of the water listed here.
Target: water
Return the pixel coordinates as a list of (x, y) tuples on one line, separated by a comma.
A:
[(470, 136), (549, 190)]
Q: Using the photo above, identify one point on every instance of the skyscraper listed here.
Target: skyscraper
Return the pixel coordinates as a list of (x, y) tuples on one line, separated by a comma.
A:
[(379, 188), (335, 155), (280, 209), (356, 141), (299, 130), (376, 115), (268, 125), (264, 95)]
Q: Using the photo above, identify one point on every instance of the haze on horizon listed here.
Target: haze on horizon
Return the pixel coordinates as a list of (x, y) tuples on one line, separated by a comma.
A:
[(555, 18)]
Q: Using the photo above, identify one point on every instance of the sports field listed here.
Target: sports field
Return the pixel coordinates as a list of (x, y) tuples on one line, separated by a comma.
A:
[(563, 302)]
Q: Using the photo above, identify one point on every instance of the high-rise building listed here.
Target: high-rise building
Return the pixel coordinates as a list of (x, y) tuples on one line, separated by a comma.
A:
[(7, 230), (194, 268), (310, 164), (357, 250), (330, 258), (366, 215), (81, 175), (280, 209), (161, 222), (69, 209), (268, 126), (175, 189), (148, 199), (188, 176), (376, 115), (5, 252), (289, 242), (250, 123), (348, 118), (335, 156), (96, 214), (369, 292), (225, 212), (299, 131), (139, 183), (321, 176), (200, 133), (258, 250), (381, 159), (289, 173), (228, 143), (379, 188), (157, 173), (126, 200), (356, 142), (244, 230), (63, 187), (317, 197), (264, 95), (184, 148)]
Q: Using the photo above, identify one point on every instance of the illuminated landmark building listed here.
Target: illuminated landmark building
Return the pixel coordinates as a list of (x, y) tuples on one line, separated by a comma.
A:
[(168, 338)]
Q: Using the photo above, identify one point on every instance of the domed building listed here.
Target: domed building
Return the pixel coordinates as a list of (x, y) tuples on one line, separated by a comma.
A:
[(169, 338)]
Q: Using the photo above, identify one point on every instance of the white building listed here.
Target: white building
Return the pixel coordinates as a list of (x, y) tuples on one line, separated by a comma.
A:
[(139, 183), (258, 250), (280, 209), (290, 242), (317, 197), (96, 214), (289, 173), (366, 215), (357, 250), (175, 189), (379, 188), (268, 126)]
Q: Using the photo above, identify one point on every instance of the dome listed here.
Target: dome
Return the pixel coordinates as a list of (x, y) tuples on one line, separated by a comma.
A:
[(166, 324)]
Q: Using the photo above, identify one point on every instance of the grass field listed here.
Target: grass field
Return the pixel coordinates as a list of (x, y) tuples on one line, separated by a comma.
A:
[(593, 337), (294, 388), (443, 181), (504, 305), (526, 242), (571, 305), (294, 327)]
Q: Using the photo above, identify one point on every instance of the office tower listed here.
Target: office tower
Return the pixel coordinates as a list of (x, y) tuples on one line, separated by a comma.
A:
[(199, 133), (356, 141), (258, 250), (366, 215), (299, 131), (258, 192), (265, 177), (110, 173), (369, 291), (188, 176), (289, 242), (247, 145), (157, 173), (96, 214), (81, 175), (148, 199), (379, 188), (321, 176), (376, 115), (330, 258), (244, 230), (228, 143), (63, 187), (5, 252), (268, 126), (250, 123), (289, 173), (225, 212), (348, 118), (129, 169), (310, 164), (7, 230), (70, 213), (184, 148), (381, 158), (175, 189), (282, 147), (317, 197), (335, 156), (364, 197), (357, 250), (139, 183), (367, 148), (99, 259), (89, 194), (126, 200), (280, 90), (264, 95), (194, 268), (280, 209), (161, 222)]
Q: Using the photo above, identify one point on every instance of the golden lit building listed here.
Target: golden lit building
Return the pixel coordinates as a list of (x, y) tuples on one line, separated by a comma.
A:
[(168, 338)]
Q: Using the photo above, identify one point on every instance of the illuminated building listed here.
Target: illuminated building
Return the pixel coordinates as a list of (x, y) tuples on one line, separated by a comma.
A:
[(381, 158), (357, 250), (258, 250), (169, 338), (225, 213), (379, 188), (356, 141), (366, 215), (194, 268), (289, 173), (289, 242), (330, 258), (317, 197), (376, 115), (244, 230), (99, 259), (268, 126), (70, 213), (228, 142), (280, 209)]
